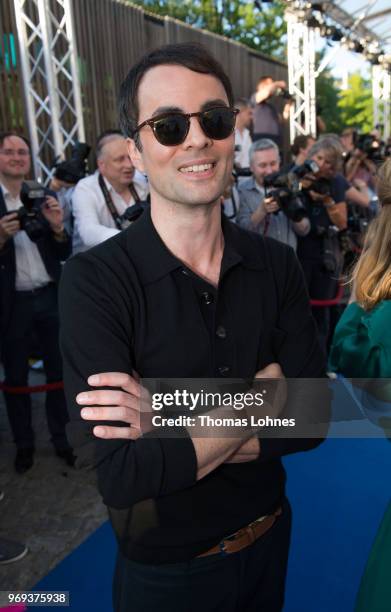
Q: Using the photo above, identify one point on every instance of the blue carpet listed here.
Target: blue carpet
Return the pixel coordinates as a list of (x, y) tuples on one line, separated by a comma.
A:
[(86, 573), (338, 493)]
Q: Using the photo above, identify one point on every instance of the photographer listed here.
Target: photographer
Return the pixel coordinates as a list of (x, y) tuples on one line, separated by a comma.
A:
[(66, 176), (33, 243), (360, 166), (300, 148), (319, 251), (99, 201), (242, 134), (263, 214), (267, 122)]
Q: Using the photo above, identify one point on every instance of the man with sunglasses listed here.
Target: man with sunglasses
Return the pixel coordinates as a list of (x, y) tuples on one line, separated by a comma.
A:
[(202, 522)]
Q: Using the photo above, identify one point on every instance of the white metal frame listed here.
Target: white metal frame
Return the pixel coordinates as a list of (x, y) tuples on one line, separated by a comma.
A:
[(47, 96), (301, 64), (381, 91), (301, 69)]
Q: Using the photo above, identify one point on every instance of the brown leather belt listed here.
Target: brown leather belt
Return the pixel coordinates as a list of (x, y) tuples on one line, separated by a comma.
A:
[(243, 537)]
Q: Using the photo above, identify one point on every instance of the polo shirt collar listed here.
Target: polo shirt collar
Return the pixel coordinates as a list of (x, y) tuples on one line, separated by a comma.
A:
[(153, 260)]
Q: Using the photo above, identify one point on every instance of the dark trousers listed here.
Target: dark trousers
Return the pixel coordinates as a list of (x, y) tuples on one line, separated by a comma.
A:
[(321, 286), (34, 311), (251, 580)]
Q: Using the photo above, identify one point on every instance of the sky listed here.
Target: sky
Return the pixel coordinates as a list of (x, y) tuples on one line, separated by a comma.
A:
[(346, 61)]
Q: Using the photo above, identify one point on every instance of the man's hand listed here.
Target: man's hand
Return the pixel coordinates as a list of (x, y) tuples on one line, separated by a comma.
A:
[(53, 213), (250, 450), (271, 205), (9, 227), (129, 403)]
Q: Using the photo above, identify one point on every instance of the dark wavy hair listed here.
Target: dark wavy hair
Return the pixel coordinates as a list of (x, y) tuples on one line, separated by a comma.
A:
[(190, 55)]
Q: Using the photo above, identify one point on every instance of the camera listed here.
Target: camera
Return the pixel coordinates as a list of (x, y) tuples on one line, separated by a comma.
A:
[(286, 189), (374, 150), (321, 185), (237, 172), (32, 196), (132, 213), (72, 170), (284, 94)]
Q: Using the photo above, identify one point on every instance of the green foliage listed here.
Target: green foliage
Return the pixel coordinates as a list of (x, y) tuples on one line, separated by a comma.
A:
[(355, 104), (263, 30), (347, 107), (327, 97)]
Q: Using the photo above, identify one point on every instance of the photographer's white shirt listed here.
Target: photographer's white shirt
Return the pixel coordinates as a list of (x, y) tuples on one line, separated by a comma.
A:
[(93, 222), (30, 269), (242, 154)]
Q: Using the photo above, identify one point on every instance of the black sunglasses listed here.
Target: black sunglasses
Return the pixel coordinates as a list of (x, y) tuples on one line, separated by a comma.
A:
[(172, 128)]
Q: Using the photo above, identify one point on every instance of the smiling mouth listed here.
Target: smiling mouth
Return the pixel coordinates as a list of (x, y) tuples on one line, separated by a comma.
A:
[(197, 168)]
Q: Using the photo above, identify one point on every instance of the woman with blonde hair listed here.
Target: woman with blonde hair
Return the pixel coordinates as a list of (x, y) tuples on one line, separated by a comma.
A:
[(362, 349)]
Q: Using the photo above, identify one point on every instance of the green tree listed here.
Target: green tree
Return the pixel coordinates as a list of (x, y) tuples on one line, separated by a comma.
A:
[(356, 105), (263, 30), (327, 98)]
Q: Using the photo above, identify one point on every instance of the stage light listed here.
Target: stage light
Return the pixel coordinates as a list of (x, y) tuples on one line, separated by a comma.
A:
[(358, 46), (313, 22), (373, 58), (335, 33)]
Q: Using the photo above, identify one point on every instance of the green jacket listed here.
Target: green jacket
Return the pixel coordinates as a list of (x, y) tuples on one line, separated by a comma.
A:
[(362, 349), (361, 345)]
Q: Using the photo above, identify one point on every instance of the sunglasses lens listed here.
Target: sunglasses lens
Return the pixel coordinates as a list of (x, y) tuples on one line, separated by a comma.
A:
[(218, 123), (171, 130)]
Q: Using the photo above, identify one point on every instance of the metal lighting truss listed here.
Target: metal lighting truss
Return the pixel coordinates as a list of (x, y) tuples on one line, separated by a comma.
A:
[(381, 87), (301, 70), (301, 58), (50, 79)]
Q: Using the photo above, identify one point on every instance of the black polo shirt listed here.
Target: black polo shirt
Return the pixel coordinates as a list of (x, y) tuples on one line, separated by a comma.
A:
[(129, 304)]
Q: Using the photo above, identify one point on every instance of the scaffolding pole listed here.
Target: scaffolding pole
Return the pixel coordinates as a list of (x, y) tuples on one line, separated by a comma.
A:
[(381, 91), (301, 70), (50, 79)]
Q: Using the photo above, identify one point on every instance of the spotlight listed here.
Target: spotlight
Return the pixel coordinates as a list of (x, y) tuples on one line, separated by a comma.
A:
[(358, 46), (373, 58), (335, 33), (313, 22)]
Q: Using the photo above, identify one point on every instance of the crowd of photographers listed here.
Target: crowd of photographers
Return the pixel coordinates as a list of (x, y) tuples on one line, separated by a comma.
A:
[(319, 204)]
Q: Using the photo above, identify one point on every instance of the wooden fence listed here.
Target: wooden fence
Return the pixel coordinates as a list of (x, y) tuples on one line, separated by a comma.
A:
[(110, 36)]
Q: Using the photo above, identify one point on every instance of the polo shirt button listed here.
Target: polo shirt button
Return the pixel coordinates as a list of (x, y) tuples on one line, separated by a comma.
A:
[(207, 297), (224, 370), (221, 332), (185, 272)]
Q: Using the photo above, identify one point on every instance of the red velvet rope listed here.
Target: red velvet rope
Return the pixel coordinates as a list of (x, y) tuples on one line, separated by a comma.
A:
[(333, 302), (36, 389), (60, 385)]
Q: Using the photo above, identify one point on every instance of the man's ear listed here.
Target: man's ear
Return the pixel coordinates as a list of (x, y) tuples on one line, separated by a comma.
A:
[(135, 155), (100, 165)]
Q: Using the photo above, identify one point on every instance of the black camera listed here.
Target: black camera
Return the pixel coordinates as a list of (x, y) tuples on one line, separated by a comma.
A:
[(237, 172), (75, 168), (321, 185), (132, 213), (374, 150), (284, 94), (32, 196), (286, 189)]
